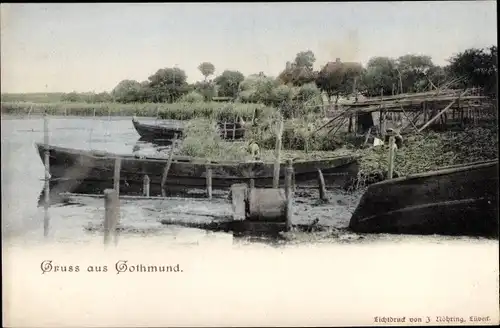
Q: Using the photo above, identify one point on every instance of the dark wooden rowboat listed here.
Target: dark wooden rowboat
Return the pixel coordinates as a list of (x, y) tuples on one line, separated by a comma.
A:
[(157, 131), (231, 131), (186, 172), (456, 200)]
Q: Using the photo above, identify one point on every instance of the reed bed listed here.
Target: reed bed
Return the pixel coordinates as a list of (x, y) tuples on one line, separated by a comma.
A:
[(175, 111)]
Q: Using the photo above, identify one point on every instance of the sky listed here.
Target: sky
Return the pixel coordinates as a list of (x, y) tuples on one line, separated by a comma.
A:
[(93, 46)]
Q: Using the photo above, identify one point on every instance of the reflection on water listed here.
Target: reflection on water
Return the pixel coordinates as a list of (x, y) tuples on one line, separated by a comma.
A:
[(22, 180)]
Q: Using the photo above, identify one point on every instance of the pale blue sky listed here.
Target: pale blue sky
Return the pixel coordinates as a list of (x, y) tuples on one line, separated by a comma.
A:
[(86, 47)]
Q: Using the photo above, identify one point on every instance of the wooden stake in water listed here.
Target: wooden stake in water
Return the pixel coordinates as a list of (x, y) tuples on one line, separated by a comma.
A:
[(46, 218), (167, 167), (321, 185), (111, 203), (392, 153), (116, 178), (289, 194), (209, 179), (276, 175), (145, 186)]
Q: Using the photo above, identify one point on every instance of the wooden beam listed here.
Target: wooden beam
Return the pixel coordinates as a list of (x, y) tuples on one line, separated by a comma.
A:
[(441, 112)]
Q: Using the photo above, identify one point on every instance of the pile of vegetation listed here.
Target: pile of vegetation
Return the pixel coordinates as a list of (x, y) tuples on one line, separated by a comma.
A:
[(202, 140), (429, 151)]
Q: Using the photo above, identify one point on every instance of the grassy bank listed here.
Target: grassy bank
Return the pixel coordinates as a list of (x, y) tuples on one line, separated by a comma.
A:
[(176, 111)]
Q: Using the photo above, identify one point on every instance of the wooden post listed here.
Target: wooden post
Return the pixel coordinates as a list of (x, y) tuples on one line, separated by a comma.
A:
[(382, 118), (238, 192), (46, 217), (209, 180), (225, 130), (145, 186), (167, 167), (276, 176), (111, 201), (234, 130), (116, 179), (322, 188), (289, 194), (392, 153), (424, 104), (252, 180)]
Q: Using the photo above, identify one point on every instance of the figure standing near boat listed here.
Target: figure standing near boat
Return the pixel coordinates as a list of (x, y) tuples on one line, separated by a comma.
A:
[(254, 150)]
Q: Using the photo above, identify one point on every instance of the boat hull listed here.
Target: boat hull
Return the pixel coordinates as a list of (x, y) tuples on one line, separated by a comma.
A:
[(460, 200), (151, 132), (187, 173), (154, 131)]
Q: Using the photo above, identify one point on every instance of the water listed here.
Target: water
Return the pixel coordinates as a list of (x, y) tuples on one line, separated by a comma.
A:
[(23, 171)]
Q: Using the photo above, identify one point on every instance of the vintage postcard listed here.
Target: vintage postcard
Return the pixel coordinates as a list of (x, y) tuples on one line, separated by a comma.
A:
[(249, 164)]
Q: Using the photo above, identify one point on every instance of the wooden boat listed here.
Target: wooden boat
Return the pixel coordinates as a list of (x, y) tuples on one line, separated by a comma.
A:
[(158, 131), (455, 200), (186, 172), (231, 131)]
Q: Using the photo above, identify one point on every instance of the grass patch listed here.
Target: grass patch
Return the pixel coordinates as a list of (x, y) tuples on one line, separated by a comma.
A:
[(176, 111)]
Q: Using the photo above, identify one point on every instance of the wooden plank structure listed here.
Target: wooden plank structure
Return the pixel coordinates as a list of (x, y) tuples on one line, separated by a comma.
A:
[(438, 109)]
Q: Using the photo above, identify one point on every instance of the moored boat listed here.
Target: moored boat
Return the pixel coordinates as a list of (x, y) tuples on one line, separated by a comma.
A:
[(456, 200), (187, 172), (158, 131), (167, 131)]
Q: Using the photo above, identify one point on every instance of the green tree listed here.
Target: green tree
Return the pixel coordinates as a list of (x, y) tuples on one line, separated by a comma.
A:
[(126, 91), (380, 74), (413, 70), (168, 84), (229, 83), (301, 71), (477, 68), (257, 88), (437, 76), (206, 69), (305, 59), (337, 78)]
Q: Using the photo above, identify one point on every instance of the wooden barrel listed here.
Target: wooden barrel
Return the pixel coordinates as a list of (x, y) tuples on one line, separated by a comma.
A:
[(267, 204)]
